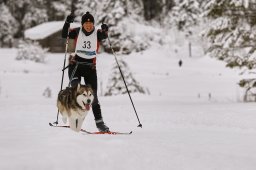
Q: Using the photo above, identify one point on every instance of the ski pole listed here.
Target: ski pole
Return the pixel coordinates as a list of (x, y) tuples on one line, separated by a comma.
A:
[(140, 125), (63, 70), (73, 2)]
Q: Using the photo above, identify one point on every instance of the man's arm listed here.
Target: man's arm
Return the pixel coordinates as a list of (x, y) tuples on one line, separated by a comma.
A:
[(101, 35), (72, 33), (103, 32), (65, 30)]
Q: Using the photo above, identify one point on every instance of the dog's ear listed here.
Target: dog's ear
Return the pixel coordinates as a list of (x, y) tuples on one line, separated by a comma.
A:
[(78, 87)]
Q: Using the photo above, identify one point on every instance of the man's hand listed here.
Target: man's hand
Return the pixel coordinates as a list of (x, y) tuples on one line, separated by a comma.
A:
[(104, 27), (70, 18), (72, 59)]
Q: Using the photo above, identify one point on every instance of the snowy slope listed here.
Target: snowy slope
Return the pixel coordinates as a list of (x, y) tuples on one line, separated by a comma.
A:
[(182, 127)]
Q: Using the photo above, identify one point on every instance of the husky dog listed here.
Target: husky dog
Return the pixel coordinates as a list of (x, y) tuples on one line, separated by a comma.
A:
[(74, 104)]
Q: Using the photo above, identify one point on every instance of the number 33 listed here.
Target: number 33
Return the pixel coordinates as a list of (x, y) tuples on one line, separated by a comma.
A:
[(87, 44)]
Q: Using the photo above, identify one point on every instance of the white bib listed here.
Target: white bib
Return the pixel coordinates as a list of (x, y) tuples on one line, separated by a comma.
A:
[(86, 46)]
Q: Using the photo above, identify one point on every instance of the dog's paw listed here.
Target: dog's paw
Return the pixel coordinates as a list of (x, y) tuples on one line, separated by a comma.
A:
[(64, 120)]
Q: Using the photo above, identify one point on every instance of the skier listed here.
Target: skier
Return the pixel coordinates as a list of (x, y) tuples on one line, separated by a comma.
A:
[(87, 43), (180, 62)]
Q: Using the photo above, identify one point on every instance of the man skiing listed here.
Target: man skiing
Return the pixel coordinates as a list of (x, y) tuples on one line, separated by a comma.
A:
[(87, 43)]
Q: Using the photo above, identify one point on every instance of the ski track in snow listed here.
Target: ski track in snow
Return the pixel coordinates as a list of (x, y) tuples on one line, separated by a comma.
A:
[(181, 130)]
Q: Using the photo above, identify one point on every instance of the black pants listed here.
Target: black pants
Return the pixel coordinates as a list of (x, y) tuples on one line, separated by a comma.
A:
[(89, 73)]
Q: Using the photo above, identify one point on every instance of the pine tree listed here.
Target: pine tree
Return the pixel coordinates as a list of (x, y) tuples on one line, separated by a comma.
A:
[(83, 6), (27, 13), (184, 15), (152, 9), (232, 32), (18, 10), (57, 10), (29, 50), (118, 17), (116, 85), (250, 89), (168, 5), (34, 17), (8, 26)]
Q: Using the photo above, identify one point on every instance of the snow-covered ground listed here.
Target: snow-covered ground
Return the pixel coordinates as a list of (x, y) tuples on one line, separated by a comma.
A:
[(192, 120)]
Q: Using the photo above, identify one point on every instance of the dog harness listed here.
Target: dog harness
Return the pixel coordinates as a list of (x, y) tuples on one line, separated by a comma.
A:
[(86, 46)]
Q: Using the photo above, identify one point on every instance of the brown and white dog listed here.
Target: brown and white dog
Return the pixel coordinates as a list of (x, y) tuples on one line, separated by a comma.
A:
[(74, 104)]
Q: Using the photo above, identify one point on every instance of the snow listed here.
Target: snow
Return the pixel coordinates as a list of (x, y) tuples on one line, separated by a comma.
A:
[(183, 128), (46, 29)]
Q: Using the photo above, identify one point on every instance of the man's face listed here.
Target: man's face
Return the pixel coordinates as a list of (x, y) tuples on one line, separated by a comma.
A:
[(88, 26)]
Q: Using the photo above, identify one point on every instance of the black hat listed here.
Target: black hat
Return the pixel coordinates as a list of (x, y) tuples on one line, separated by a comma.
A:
[(87, 17)]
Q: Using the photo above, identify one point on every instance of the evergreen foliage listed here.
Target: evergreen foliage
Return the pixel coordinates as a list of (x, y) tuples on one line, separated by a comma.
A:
[(116, 85), (32, 51), (231, 33), (184, 14), (29, 13), (8, 26)]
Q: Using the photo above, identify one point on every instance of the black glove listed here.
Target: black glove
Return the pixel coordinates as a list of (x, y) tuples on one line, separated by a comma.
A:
[(70, 18), (104, 27)]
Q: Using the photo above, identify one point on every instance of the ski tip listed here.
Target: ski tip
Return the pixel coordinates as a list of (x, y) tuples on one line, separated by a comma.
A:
[(130, 132), (53, 124)]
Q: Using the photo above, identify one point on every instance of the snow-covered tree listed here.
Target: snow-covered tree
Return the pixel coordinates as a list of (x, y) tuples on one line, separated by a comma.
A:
[(29, 50), (8, 26), (232, 32), (58, 9), (250, 89), (152, 9), (83, 6), (27, 13), (34, 17), (167, 7), (184, 15), (116, 85), (18, 10)]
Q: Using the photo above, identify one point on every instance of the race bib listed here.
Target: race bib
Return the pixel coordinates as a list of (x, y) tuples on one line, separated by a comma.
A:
[(86, 46)]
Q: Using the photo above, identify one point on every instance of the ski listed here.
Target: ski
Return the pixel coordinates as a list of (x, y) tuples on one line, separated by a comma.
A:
[(95, 133), (107, 133)]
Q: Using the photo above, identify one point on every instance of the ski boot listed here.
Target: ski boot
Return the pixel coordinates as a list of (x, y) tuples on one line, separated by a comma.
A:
[(102, 126)]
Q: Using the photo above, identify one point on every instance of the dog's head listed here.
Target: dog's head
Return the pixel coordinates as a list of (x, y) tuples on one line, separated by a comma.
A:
[(84, 96)]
